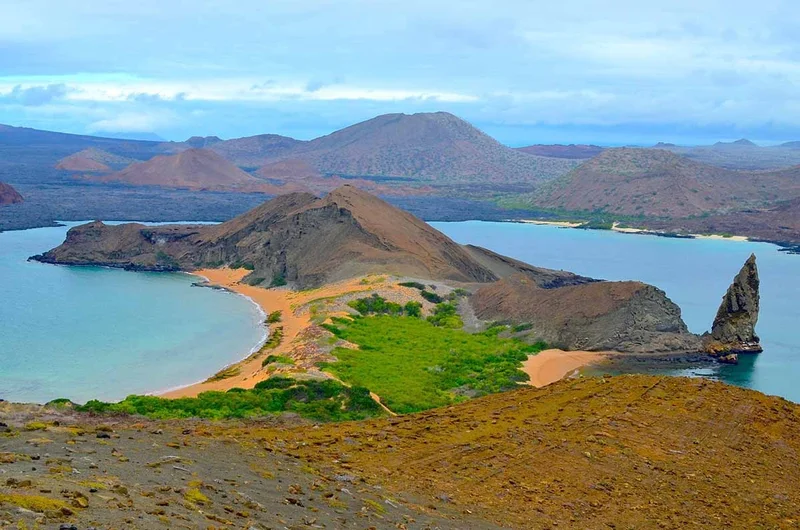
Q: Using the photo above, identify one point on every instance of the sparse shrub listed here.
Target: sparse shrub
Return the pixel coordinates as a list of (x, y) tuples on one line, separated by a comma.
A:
[(274, 317), (431, 297)]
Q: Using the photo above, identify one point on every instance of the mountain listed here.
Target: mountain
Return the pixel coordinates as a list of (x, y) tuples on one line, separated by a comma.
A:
[(309, 242), (659, 183), (254, 151), (140, 136), (437, 147), (742, 142), (8, 195), (195, 169), (94, 160), (571, 151), (199, 142)]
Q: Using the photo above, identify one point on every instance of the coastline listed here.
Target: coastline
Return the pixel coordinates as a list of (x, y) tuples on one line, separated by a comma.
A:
[(549, 366), (615, 227)]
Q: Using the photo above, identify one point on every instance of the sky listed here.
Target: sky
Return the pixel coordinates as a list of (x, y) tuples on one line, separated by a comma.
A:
[(610, 72)]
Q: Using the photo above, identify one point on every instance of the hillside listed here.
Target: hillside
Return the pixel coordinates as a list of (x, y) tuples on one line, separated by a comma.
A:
[(8, 195), (741, 154), (659, 183), (195, 169), (93, 159), (572, 151), (611, 452)]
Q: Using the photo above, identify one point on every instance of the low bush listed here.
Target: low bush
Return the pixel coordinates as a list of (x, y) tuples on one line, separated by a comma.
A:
[(325, 400)]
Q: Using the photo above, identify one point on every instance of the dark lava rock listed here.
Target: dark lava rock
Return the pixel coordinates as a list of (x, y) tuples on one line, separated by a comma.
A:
[(734, 326)]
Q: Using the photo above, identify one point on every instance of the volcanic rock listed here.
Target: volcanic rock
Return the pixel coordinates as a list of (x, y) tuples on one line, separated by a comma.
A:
[(733, 330)]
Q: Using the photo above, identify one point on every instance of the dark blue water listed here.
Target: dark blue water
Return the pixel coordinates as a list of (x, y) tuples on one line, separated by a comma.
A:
[(91, 332), (695, 274)]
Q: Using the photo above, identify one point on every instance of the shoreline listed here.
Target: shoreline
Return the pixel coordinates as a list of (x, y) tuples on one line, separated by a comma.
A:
[(644, 231), (549, 366)]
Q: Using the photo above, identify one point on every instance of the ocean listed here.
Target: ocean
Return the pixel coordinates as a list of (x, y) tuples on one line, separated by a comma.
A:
[(695, 273), (91, 332)]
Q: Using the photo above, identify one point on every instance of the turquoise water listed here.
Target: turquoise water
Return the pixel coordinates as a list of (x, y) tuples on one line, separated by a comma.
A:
[(694, 273), (92, 332)]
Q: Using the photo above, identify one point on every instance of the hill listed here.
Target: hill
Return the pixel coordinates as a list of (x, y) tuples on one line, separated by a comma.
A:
[(296, 238), (195, 169), (254, 151), (611, 452), (8, 195), (93, 159), (571, 151), (436, 147), (659, 183)]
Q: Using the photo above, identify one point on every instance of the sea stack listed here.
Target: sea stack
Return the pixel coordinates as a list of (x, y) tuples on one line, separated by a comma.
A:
[(733, 331)]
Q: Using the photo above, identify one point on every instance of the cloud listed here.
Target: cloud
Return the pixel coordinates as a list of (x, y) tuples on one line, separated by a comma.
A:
[(34, 96), (131, 122)]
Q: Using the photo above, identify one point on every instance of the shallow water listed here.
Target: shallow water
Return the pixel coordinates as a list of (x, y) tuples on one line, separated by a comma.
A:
[(694, 273), (93, 332)]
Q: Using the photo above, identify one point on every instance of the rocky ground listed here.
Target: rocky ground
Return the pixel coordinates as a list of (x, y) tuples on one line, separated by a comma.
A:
[(62, 470), (620, 452)]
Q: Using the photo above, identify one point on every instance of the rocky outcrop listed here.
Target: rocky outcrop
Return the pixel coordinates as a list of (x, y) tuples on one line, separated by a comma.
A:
[(629, 317), (9, 195), (734, 328)]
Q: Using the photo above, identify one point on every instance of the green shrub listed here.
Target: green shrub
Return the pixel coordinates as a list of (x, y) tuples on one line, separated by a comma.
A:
[(445, 315), (278, 281), (274, 317), (431, 297), (522, 327), (414, 285), (413, 309), (326, 400), (282, 359)]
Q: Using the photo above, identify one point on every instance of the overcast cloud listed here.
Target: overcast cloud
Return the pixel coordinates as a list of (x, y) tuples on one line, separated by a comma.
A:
[(525, 71)]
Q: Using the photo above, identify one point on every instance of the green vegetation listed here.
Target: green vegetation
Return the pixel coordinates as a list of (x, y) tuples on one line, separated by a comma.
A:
[(278, 281), (274, 317), (413, 285), (445, 315), (326, 400), (431, 297), (243, 265), (377, 305), (281, 359), (165, 260), (414, 365), (225, 373), (522, 327), (274, 340)]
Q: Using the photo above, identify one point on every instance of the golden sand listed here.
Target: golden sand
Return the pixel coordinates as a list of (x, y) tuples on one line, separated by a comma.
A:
[(549, 366)]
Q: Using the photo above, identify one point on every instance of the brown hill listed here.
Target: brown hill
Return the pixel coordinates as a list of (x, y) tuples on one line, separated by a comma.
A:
[(255, 151), (618, 452), (659, 183), (594, 453), (296, 238), (8, 195), (572, 151), (93, 159), (437, 147), (195, 169)]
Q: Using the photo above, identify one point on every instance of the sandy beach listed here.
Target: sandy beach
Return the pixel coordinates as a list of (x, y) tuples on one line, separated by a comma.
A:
[(563, 224), (284, 300), (549, 366)]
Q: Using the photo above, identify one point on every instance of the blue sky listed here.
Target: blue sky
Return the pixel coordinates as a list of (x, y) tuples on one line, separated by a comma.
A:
[(609, 72)]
